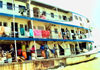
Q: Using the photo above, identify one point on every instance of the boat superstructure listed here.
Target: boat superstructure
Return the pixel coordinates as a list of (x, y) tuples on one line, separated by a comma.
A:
[(20, 21)]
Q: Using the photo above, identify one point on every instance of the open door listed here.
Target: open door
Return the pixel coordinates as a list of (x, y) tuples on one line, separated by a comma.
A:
[(16, 29), (61, 50), (72, 49)]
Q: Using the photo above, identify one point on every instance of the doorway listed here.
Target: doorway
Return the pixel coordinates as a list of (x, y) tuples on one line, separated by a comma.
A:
[(16, 29), (72, 49), (62, 30)]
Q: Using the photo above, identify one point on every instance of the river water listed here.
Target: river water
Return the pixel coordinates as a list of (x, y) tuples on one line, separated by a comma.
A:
[(89, 65)]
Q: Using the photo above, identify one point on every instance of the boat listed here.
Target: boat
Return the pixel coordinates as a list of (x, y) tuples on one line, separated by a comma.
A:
[(36, 23)]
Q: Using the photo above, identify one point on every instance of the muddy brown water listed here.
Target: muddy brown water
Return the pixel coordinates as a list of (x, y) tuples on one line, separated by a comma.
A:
[(93, 64)]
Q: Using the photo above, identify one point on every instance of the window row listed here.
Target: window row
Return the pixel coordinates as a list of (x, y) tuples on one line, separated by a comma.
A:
[(77, 18), (23, 8)]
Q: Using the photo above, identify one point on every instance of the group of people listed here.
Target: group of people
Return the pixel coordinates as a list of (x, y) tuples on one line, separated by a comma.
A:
[(45, 50), (66, 34)]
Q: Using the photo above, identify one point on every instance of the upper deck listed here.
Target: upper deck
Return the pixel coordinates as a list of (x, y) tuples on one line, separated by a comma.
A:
[(33, 10)]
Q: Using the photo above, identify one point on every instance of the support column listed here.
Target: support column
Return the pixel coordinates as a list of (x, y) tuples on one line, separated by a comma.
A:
[(32, 27), (57, 13), (14, 30)]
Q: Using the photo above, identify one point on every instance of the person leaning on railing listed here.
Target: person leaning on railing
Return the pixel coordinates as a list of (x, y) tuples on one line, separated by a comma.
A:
[(42, 16)]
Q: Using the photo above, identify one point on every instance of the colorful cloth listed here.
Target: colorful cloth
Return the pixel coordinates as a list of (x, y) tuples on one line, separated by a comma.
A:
[(31, 32), (45, 33), (24, 54), (1, 30), (19, 51), (22, 31), (37, 32), (59, 34)]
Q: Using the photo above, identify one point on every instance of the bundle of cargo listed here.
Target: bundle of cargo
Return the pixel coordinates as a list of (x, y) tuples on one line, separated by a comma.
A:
[(20, 59)]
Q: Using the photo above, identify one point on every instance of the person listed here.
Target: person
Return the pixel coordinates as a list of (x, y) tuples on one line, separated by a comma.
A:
[(28, 52), (55, 49), (63, 34), (12, 50), (67, 33), (24, 49), (33, 52), (42, 51), (46, 50), (91, 46), (42, 16), (1, 52)]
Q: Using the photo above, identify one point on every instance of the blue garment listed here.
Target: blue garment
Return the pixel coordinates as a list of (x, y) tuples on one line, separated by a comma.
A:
[(22, 31), (47, 54), (42, 47), (53, 51), (31, 32)]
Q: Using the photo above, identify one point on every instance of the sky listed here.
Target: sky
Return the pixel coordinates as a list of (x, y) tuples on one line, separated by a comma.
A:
[(87, 8)]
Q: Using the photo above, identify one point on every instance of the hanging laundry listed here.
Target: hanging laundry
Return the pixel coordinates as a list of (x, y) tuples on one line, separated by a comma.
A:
[(22, 31), (7, 30), (45, 33), (59, 34), (31, 32), (37, 32), (1, 30)]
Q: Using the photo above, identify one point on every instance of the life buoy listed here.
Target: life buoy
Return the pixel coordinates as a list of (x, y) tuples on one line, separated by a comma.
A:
[(1, 30)]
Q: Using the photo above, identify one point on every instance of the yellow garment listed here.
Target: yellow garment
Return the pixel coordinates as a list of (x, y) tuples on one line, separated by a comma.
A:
[(1, 30), (23, 48)]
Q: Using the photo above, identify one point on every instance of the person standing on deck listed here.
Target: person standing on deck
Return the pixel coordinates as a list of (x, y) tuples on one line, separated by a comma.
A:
[(24, 49), (42, 51), (55, 49), (91, 46), (33, 53), (12, 50), (46, 50)]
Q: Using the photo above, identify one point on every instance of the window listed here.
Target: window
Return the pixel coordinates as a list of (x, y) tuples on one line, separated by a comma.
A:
[(72, 31), (9, 6), (5, 24), (52, 15), (21, 26), (80, 18), (40, 28), (64, 18), (26, 28), (44, 12), (87, 20), (0, 23), (34, 27), (55, 30), (0, 4), (59, 16), (76, 17), (21, 7)]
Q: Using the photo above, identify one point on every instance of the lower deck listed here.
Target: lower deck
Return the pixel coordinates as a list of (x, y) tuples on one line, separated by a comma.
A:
[(47, 63)]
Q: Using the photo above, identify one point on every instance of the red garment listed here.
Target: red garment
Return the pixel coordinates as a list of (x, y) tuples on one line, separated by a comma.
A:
[(43, 17), (32, 49), (19, 51), (45, 33)]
